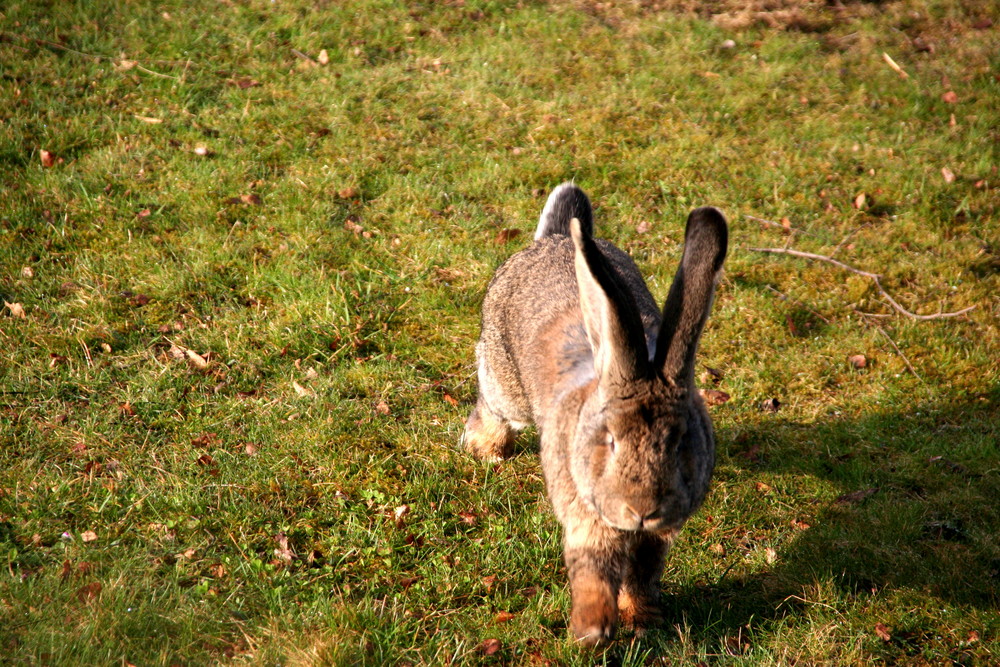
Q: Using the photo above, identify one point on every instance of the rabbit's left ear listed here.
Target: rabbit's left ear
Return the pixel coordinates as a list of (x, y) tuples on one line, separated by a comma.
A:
[(610, 315), (690, 298)]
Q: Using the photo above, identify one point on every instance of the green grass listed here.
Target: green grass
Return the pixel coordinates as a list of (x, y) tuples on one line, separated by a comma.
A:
[(324, 252)]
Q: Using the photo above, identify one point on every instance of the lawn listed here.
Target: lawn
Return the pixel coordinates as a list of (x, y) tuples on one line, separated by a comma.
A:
[(243, 246)]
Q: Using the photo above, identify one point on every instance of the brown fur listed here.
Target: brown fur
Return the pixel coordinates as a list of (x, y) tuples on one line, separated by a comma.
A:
[(572, 341)]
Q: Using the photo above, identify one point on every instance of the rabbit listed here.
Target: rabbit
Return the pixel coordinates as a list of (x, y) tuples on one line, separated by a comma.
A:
[(572, 341)]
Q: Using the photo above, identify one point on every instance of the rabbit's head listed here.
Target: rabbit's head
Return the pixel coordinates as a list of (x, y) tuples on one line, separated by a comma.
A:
[(632, 450)]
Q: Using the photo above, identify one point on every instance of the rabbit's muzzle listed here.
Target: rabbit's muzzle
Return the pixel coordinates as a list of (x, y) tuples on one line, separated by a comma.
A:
[(641, 513)]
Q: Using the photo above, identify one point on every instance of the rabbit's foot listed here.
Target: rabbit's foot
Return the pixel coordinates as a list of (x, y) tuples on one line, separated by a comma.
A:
[(487, 437), (595, 612), (639, 612)]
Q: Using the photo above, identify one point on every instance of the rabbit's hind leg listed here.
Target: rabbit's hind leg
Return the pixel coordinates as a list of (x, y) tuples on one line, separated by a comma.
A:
[(487, 436)]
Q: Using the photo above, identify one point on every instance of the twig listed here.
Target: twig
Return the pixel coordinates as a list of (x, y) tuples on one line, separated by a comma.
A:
[(849, 235), (785, 297), (874, 277), (900, 353), (94, 56), (299, 54)]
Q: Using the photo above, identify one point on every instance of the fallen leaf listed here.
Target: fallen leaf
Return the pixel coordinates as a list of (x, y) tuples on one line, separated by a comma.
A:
[(244, 82), (858, 360), (201, 150), (799, 524), (468, 517), (88, 592), (124, 65), (27, 272), (382, 408), (16, 309), (770, 555), (490, 646), (786, 224), (406, 582), (144, 213), (284, 553), (251, 449), (187, 554), (763, 488), (206, 460), (450, 400), (973, 637), (350, 192), (88, 536), (205, 440), (148, 119), (859, 201), (67, 570), (949, 175), (883, 632), (713, 396), (507, 235), (251, 199), (504, 617), (323, 58), (855, 496), (302, 391), (771, 405), (950, 97), (48, 159), (196, 359), (717, 550), (217, 570), (400, 514), (643, 227), (712, 374), (311, 374)]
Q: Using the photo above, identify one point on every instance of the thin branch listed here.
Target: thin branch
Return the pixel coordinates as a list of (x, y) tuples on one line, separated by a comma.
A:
[(785, 297), (874, 277), (900, 353), (94, 56), (849, 235)]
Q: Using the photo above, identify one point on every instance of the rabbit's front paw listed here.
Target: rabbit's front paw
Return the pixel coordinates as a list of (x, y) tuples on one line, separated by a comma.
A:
[(488, 438), (639, 612), (595, 611)]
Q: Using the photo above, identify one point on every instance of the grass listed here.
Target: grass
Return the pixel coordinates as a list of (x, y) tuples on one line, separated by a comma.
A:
[(319, 236)]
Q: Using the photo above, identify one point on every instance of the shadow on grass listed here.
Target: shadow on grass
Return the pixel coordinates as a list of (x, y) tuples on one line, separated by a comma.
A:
[(918, 517)]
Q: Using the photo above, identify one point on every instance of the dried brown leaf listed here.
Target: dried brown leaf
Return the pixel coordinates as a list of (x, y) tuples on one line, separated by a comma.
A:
[(948, 174), (950, 97), (504, 617), (349, 192), (771, 405), (16, 309), (48, 159), (883, 632), (196, 359), (713, 396), (858, 361), (323, 58), (507, 235), (89, 592), (302, 391), (88, 536), (855, 496), (490, 646)]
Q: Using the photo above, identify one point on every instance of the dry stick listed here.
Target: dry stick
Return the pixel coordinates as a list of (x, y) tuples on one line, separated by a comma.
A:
[(56, 45), (867, 274), (785, 297), (901, 355)]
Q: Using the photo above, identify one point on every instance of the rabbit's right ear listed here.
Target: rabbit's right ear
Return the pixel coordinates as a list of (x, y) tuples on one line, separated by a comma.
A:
[(610, 315), (690, 298)]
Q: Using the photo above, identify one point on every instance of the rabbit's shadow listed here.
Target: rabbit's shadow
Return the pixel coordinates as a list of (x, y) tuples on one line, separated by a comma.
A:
[(918, 515)]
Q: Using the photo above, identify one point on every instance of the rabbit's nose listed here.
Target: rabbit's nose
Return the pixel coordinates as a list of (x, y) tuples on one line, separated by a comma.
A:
[(646, 515)]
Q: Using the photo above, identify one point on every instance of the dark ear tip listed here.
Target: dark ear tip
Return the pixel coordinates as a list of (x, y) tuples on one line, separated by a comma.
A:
[(706, 227)]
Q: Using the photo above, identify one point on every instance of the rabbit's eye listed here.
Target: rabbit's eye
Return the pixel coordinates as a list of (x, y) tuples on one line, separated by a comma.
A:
[(609, 440)]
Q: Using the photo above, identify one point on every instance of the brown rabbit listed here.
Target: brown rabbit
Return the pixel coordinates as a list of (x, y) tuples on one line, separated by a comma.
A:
[(573, 342)]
